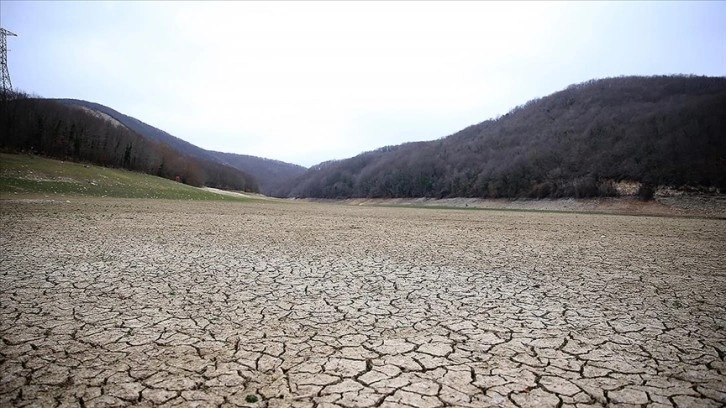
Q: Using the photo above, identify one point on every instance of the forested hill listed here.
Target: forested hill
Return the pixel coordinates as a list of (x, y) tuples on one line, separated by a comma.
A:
[(272, 175), (667, 130), (143, 129), (269, 174), (54, 129)]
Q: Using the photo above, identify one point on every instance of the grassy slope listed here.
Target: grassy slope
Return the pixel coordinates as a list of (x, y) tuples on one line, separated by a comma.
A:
[(33, 175)]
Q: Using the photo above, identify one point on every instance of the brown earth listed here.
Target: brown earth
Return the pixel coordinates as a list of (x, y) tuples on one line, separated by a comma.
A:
[(171, 303), (696, 205)]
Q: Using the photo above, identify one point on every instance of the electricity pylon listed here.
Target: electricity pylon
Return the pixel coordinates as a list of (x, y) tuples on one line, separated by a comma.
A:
[(7, 86)]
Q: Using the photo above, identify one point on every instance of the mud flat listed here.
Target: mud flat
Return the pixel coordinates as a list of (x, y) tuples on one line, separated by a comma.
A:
[(151, 303)]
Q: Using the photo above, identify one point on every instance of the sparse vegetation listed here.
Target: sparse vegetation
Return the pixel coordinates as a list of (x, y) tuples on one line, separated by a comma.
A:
[(646, 192), (34, 175)]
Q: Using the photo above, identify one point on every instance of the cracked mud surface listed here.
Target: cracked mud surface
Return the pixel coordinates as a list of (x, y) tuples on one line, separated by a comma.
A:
[(151, 303)]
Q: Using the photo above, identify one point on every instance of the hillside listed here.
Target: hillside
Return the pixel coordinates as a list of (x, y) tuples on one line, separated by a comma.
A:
[(50, 128), (143, 129), (270, 175), (24, 175), (578, 142)]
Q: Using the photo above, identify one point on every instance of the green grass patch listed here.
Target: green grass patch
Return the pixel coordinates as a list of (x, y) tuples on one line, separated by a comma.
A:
[(34, 175)]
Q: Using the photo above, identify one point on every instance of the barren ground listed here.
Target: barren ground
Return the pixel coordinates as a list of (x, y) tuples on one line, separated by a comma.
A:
[(702, 206), (152, 302)]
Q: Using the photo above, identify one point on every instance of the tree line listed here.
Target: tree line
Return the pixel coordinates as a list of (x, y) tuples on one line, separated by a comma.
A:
[(664, 130), (49, 128), (269, 174)]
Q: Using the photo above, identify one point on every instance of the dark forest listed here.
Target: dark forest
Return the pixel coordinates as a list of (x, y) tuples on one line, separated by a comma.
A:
[(668, 130), (49, 128)]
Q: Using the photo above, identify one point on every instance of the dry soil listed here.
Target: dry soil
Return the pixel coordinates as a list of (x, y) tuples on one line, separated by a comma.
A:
[(170, 303)]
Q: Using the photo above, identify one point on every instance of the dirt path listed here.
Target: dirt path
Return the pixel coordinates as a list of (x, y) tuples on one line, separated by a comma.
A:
[(171, 303)]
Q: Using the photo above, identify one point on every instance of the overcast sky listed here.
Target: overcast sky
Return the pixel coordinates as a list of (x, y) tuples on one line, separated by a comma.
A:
[(306, 82)]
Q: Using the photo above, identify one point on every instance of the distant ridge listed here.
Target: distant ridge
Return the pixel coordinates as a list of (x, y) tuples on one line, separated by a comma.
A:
[(269, 174), (81, 133), (143, 129), (587, 140), (578, 142)]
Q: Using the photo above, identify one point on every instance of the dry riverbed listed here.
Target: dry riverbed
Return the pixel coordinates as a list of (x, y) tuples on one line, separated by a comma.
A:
[(266, 304)]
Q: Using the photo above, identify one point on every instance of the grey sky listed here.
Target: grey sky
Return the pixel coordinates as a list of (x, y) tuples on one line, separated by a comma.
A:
[(306, 82)]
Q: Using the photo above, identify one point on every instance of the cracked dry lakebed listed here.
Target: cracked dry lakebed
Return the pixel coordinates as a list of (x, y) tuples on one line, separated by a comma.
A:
[(275, 304)]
